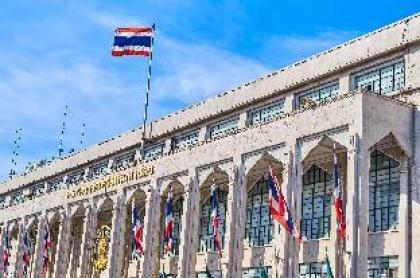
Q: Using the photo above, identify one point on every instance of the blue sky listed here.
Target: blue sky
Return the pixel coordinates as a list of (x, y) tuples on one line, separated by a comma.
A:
[(53, 52)]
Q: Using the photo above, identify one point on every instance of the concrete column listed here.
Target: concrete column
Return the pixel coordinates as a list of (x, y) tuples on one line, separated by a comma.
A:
[(37, 267), (352, 207), (154, 235), (148, 237), (363, 216), (75, 263), (293, 195), (88, 244), (2, 247), (229, 247), (117, 225), (240, 221), (281, 239), (63, 244), (403, 222), (191, 210), (18, 267)]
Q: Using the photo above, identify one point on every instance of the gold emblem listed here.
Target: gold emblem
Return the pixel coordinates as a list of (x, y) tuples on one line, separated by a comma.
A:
[(100, 260)]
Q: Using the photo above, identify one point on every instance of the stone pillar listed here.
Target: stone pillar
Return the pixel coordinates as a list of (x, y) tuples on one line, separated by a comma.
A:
[(18, 267), (350, 257), (63, 244), (2, 247), (80, 258), (363, 235), (240, 221), (357, 208), (118, 226), (88, 245), (403, 222), (190, 227), (155, 228), (148, 237), (231, 230), (280, 242), (37, 267), (293, 195)]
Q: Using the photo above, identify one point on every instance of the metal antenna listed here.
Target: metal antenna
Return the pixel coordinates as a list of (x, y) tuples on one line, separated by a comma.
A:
[(63, 128), (15, 155), (82, 135)]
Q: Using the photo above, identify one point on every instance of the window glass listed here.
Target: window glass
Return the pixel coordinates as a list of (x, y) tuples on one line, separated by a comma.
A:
[(98, 170), (123, 162), (318, 95), (266, 112), (75, 178), (153, 152), (383, 80), (185, 141), (55, 185), (313, 270), (384, 192), (17, 198), (223, 128), (259, 227), (316, 203), (379, 267), (255, 272)]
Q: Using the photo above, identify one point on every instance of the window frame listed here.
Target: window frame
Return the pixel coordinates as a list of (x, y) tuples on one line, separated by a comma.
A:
[(175, 140), (317, 89), (378, 67), (211, 126), (260, 108)]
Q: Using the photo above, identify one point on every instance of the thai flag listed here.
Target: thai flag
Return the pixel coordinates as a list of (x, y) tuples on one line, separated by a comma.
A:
[(46, 248), (26, 250), (215, 219), (133, 41), (278, 206), (338, 201), (137, 230), (168, 222), (6, 252)]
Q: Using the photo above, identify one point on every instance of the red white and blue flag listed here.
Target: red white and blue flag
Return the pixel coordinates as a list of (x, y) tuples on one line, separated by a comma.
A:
[(168, 222), (278, 206), (133, 41), (215, 219), (137, 231), (46, 247), (6, 253), (338, 201), (26, 252)]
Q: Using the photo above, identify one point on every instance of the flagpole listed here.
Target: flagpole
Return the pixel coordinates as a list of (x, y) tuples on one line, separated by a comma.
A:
[(146, 98)]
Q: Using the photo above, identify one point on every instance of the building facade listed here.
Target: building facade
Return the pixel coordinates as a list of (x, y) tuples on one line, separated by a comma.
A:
[(359, 98)]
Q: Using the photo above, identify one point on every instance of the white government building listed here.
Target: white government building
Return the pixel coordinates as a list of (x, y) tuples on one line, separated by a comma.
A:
[(360, 96)]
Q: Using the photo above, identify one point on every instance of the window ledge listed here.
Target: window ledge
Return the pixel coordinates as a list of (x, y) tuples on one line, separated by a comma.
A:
[(317, 239), (384, 232)]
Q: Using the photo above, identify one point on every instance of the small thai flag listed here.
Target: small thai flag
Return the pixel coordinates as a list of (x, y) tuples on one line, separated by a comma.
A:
[(338, 201), (137, 231), (278, 206), (133, 41), (168, 222), (46, 248), (215, 219)]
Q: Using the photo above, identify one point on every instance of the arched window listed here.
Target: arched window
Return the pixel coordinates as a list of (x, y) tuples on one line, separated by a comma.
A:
[(259, 224), (316, 203), (206, 222), (384, 192)]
